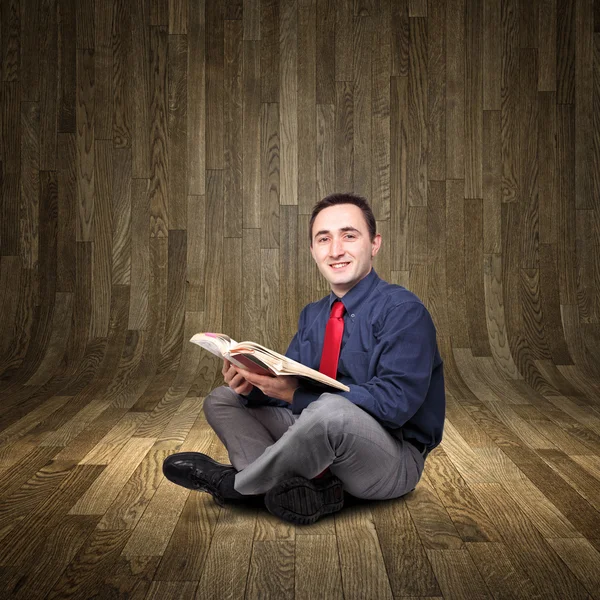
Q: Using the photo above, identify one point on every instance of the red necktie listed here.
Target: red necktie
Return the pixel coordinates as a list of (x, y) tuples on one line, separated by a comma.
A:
[(331, 347), (333, 340)]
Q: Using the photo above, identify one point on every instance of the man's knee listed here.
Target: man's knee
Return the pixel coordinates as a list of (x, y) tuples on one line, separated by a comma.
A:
[(330, 409), (220, 399)]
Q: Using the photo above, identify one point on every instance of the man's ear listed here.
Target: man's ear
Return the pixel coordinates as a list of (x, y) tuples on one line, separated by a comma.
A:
[(376, 244)]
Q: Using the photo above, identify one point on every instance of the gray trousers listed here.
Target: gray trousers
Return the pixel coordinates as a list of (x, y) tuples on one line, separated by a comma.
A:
[(269, 444)]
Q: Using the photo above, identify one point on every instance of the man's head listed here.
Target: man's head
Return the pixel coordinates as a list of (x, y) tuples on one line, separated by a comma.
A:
[(343, 232)]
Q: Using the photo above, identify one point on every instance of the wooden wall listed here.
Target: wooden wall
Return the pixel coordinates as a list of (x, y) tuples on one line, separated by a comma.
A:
[(159, 161)]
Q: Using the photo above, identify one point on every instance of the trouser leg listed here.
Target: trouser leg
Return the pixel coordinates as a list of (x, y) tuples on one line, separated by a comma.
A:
[(245, 432), (333, 432)]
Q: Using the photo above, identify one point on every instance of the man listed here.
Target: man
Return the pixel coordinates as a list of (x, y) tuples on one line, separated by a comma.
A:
[(297, 448)]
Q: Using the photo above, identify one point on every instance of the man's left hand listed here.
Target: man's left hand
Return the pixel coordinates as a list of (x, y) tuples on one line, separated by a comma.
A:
[(281, 387)]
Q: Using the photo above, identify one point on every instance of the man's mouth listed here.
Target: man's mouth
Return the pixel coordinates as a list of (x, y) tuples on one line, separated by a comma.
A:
[(339, 266)]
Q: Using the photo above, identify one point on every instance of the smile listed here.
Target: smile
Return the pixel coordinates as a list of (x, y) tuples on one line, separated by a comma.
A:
[(337, 266)]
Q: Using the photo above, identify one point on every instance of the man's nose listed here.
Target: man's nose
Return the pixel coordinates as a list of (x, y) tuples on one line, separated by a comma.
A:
[(337, 247)]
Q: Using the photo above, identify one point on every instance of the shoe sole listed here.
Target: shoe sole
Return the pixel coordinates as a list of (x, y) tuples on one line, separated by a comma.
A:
[(303, 501)]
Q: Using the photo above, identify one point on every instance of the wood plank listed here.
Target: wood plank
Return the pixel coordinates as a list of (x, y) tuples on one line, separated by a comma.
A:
[(140, 50), (400, 38), (270, 313), (85, 144), (325, 49), (233, 115), (102, 235), (474, 99), (417, 136), (251, 176), (159, 12), (48, 85), (565, 52), (270, 191), (269, 50), (344, 135), (129, 577), (121, 239), (566, 204), (288, 101), (276, 554), (232, 290), (455, 89), (344, 25), (474, 274), (363, 42), (186, 553), (196, 127), (175, 307), (56, 553), (231, 547), (492, 55), (140, 219), (213, 266), (214, 84), (103, 84), (455, 263), (355, 530), (91, 564), (251, 283), (252, 20), (499, 571), (317, 566), (30, 50), (581, 514), (457, 574), (178, 17), (436, 100), (24, 547), (547, 45), (307, 108), (177, 131), (532, 552), (468, 517), (105, 489), (325, 150), (288, 275), (122, 75), (159, 153), (23, 205)]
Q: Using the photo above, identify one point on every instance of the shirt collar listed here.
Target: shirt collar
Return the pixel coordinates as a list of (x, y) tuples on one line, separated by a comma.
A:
[(355, 297)]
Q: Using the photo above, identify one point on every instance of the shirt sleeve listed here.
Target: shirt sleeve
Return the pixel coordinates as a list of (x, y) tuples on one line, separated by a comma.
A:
[(406, 346)]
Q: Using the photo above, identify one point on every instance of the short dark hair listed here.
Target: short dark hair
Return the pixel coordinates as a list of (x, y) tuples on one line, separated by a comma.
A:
[(334, 199)]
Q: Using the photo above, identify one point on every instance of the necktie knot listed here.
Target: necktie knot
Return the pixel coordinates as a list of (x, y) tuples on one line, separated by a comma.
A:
[(337, 310)]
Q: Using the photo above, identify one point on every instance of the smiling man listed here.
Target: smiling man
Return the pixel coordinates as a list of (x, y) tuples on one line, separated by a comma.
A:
[(298, 448)]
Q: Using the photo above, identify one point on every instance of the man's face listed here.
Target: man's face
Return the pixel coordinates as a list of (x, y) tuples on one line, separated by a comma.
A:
[(341, 246)]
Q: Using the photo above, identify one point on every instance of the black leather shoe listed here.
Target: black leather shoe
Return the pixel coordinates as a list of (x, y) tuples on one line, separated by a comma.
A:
[(303, 501), (196, 471)]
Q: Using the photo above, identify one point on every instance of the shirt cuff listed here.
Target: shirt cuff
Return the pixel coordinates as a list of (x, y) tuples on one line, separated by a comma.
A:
[(302, 398), (255, 397)]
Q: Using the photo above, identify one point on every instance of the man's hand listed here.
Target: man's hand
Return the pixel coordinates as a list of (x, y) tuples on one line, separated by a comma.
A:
[(281, 387), (234, 380)]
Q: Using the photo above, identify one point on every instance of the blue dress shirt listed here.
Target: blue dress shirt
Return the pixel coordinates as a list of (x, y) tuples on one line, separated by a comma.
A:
[(389, 358)]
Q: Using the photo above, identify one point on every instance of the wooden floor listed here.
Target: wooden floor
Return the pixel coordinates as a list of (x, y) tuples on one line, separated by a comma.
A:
[(159, 160)]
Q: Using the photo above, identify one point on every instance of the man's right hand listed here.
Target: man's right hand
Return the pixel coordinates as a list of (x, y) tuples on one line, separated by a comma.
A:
[(234, 380)]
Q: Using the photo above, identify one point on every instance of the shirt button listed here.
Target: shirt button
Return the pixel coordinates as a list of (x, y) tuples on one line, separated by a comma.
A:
[(352, 316)]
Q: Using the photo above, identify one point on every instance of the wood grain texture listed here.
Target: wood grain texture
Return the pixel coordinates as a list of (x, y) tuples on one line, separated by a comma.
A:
[(159, 161)]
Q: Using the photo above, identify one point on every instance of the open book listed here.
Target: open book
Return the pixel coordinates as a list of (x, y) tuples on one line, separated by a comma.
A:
[(261, 360)]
